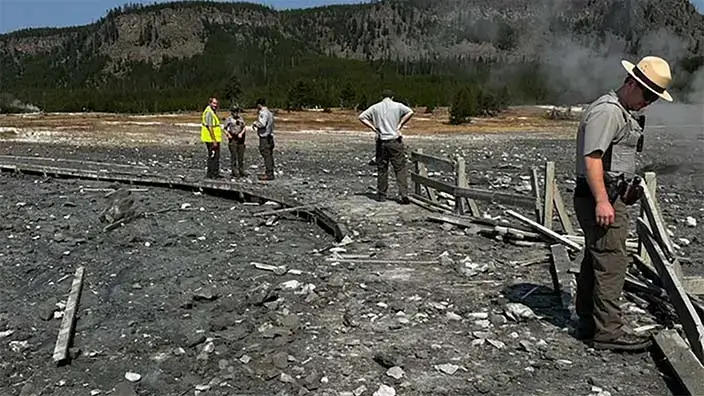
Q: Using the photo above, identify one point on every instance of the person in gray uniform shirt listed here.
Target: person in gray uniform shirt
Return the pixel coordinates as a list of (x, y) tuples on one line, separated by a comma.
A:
[(608, 138), (386, 119), (264, 125), (234, 128)]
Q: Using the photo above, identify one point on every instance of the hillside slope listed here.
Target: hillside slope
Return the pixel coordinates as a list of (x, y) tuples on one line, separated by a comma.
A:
[(196, 47)]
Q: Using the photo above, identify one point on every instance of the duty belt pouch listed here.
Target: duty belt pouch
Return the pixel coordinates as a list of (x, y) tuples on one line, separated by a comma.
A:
[(613, 186), (639, 145)]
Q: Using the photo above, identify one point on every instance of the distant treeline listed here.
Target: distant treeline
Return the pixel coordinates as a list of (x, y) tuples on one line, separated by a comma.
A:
[(77, 78)]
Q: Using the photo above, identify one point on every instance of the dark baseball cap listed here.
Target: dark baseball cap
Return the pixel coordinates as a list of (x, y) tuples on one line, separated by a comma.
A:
[(387, 93)]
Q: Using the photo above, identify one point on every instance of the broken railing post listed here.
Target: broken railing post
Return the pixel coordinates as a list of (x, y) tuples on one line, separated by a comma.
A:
[(420, 169), (535, 185), (651, 182), (549, 194), (463, 204)]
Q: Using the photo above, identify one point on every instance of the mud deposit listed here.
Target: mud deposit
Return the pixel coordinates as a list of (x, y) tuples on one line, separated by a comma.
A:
[(419, 307)]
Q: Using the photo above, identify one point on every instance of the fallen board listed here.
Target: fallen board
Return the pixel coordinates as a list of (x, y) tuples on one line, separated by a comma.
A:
[(321, 218), (561, 279), (691, 322), (688, 369), (545, 231), (68, 324)]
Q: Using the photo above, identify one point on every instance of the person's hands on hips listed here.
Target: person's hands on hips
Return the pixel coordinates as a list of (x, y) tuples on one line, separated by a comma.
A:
[(605, 214)]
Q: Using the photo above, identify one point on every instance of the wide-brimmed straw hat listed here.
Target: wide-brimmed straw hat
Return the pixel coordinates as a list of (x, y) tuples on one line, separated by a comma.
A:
[(653, 73)]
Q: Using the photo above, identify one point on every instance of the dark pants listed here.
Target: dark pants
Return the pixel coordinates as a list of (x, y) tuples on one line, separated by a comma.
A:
[(266, 148), (237, 148), (603, 269), (395, 152), (377, 150), (213, 160)]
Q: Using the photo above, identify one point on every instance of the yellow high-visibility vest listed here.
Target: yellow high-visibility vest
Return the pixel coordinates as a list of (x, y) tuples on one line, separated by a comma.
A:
[(217, 128)]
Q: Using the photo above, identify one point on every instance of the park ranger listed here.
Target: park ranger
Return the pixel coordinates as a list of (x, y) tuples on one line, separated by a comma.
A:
[(211, 135), (234, 128), (264, 125), (386, 119), (608, 138)]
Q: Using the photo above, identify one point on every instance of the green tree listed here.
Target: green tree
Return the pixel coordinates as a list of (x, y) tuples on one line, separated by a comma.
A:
[(465, 105), (233, 89), (347, 96)]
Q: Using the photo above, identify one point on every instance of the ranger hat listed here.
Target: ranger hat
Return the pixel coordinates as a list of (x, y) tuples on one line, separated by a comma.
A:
[(653, 73), (235, 108)]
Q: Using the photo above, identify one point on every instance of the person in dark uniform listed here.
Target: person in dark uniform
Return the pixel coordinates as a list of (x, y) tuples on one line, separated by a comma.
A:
[(234, 128), (608, 138)]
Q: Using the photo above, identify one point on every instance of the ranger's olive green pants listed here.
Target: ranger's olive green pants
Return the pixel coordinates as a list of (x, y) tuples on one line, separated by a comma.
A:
[(392, 151), (603, 270)]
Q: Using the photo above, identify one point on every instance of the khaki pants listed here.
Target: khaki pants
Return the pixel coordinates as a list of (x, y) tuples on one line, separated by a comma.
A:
[(603, 270), (237, 148), (395, 152), (266, 148)]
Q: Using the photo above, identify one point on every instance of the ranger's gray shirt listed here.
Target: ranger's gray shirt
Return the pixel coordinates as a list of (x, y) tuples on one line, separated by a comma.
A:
[(385, 116), (264, 123), (234, 125), (607, 127)]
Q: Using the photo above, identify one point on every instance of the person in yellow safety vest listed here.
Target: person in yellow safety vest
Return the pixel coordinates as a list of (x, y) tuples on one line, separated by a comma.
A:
[(211, 135)]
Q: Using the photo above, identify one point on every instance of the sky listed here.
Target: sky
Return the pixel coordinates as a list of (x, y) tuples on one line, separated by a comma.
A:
[(18, 14)]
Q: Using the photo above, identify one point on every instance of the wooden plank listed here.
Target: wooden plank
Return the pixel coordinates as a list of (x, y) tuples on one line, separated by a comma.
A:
[(562, 212), (694, 284), (684, 363), (561, 278), (434, 184), (545, 231), (549, 200), (68, 324), (420, 169), (463, 204), (535, 184), (285, 210), (493, 196), (659, 230), (691, 322), (427, 201), (651, 183), (443, 164)]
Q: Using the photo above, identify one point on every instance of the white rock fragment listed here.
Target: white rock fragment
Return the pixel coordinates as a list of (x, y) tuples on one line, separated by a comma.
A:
[(496, 343), (395, 372), (292, 284), (447, 368), (478, 315), (385, 390), (132, 377), (245, 359), (453, 316), (691, 221), (518, 311)]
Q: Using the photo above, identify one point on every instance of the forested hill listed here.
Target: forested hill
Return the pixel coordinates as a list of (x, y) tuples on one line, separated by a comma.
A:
[(173, 56)]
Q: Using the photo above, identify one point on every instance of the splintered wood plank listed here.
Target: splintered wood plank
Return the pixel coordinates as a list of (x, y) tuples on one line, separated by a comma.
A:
[(694, 284), (651, 184), (691, 322), (546, 231), (68, 324), (689, 370), (562, 212), (549, 201), (535, 184), (657, 224), (561, 279)]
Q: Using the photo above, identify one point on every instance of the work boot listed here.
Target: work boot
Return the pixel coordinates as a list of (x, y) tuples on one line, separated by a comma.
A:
[(583, 332), (404, 201), (627, 342)]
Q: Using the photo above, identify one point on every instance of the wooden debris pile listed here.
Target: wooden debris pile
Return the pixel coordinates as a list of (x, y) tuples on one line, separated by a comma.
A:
[(654, 280)]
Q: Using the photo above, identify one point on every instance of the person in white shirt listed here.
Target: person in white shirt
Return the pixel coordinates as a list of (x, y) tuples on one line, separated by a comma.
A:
[(386, 119)]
